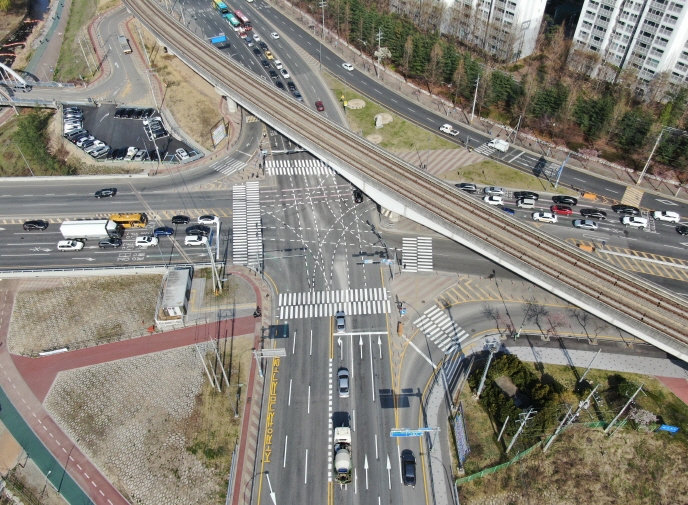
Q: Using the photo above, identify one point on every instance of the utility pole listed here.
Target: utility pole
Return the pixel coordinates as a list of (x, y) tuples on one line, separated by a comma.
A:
[(22, 155), (642, 174), (492, 347), (561, 169), (591, 362), (475, 98), (518, 126), (379, 40), (559, 428), (524, 419), (503, 428), (640, 388)]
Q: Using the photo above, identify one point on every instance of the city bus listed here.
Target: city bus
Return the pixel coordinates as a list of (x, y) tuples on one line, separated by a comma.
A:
[(232, 20), (244, 20), (130, 220), (221, 6)]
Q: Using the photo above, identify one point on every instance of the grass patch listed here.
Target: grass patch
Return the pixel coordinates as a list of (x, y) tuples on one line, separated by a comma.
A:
[(399, 135), (482, 436), (491, 172), (213, 430), (12, 16), (71, 66), (11, 162)]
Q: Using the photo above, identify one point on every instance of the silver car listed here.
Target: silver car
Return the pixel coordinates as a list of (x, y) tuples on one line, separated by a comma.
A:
[(585, 224), (343, 382), (341, 324)]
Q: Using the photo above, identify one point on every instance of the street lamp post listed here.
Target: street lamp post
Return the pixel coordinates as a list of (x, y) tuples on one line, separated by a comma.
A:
[(659, 138)]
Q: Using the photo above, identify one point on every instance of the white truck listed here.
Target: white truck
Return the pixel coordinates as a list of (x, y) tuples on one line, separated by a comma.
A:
[(91, 229), (449, 129), (499, 144), (342, 454)]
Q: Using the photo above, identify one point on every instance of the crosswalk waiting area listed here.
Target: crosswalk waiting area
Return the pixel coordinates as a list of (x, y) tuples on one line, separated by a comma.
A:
[(417, 254), (328, 303), (440, 329), (297, 167), (247, 237)]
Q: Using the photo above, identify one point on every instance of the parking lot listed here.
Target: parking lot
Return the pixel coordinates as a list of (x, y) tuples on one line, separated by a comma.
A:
[(149, 135)]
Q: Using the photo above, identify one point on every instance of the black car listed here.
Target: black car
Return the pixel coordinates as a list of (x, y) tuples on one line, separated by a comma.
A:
[(118, 113), (121, 153), (110, 243), (137, 114), (112, 154), (468, 187), (263, 45), (565, 199), (38, 224), (279, 84), (126, 113), (594, 214), (628, 210), (180, 219), (291, 85), (266, 63), (257, 51), (526, 194), (408, 467), (683, 229), (198, 229), (273, 74), (298, 96), (358, 195), (107, 192), (147, 113)]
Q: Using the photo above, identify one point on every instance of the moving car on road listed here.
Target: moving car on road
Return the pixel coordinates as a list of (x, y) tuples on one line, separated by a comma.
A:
[(110, 243), (628, 210), (180, 219), (38, 224), (319, 105), (666, 215), (163, 231), (682, 230), (208, 219), (493, 190), (526, 194), (146, 241), (565, 200), (70, 245), (198, 229), (468, 187), (634, 221), (562, 210), (107, 192), (348, 66), (341, 321), (343, 382), (585, 224), (195, 240), (274, 35), (544, 217), (408, 467), (594, 213), (493, 200)]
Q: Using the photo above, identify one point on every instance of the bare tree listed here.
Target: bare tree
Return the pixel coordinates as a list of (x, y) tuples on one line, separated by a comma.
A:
[(406, 59), (535, 312), (434, 68), (557, 320), (643, 418), (618, 112), (458, 79), (529, 89)]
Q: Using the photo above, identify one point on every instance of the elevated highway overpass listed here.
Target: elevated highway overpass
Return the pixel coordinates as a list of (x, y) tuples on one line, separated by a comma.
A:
[(630, 303)]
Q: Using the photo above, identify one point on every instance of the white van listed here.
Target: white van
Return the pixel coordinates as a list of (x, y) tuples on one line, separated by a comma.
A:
[(526, 203)]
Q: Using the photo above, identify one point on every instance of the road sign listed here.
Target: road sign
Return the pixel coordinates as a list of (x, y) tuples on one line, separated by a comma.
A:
[(405, 432), (670, 429)]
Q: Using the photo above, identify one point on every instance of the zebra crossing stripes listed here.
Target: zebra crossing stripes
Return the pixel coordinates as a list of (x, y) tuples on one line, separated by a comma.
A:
[(485, 150), (247, 236), (297, 167), (440, 329), (417, 254), (328, 303), (227, 167)]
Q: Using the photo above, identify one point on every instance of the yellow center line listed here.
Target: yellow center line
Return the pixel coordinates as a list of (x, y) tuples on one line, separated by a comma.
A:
[(265, 431)]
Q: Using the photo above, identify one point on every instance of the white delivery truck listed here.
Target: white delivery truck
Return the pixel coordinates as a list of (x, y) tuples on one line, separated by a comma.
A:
[(91, 229), (499, 144)]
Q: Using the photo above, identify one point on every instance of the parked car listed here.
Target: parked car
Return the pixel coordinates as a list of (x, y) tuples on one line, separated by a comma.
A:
[(628, 210), (278, 64), (99, 152), (118, 113), (340, 319), (198, 229), (408, 467), (666, 215), (343, 382), (493, 190), (279, 84), (493, 200), (319, 105), (70, 245), (265, 63), (273, 74), (257, 52), (526, 194), (180, 219), (37, 224), (82, 140), (110, 243), (291, 86), (131, 152), (468, 187), (182, 154), (106, 193), (544, 217), (634, 221), (585, 224), (269, 55), (262, 45), (208, 219), (146, 241), (565, 200), (594, 214), (284, 73), (562, 210), (147, 113), (163, 231), (195, 240)]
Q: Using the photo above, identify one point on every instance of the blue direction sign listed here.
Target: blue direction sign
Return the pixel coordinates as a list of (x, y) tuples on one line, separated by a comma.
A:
[(670, 429), (405, 432)]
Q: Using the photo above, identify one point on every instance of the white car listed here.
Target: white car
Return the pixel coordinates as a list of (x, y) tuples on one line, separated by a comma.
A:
[(195, 240), (545, 217), (449, 129), (131, 152), (274, 35), (348, 66), (182, 154), (83, 140), (208, 219), (284, 73), (585, 224), (493, 190), (634, 221), (493, 200), (70, 245), (146, 241), (256, 37), (666, 215), (278, 64)]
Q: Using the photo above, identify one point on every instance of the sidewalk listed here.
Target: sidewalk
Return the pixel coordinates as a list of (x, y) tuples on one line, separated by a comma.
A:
[(396, 84), (44, 59)]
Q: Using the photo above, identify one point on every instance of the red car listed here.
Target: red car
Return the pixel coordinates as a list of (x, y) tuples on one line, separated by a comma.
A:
[(319, 105), (561, 210)]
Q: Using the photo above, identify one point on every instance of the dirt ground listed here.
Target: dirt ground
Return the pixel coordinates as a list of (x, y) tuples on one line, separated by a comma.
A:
[(10, 19), (161, 437), (81, 312)]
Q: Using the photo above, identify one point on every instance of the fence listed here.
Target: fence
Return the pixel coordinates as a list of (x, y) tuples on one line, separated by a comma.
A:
[(19, 490)]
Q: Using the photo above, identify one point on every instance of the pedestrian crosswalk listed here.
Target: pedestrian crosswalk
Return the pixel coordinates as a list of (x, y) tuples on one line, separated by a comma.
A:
[(247, 237), (485, 150), (417, 254), (297, 167), (440, 329), (227, 166), (326, 303)]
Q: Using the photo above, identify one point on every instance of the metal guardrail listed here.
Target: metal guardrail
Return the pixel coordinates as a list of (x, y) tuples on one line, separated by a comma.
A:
[(104, 268)]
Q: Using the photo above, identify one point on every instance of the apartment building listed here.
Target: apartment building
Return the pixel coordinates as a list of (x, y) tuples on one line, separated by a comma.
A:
[(650, 36), (507, 29)]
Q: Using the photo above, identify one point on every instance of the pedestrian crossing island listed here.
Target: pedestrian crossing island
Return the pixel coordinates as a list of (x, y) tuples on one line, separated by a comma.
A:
[(327, 303)]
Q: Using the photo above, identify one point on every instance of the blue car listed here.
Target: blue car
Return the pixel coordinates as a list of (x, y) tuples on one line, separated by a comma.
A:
[(509, 211), (163, 231)]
